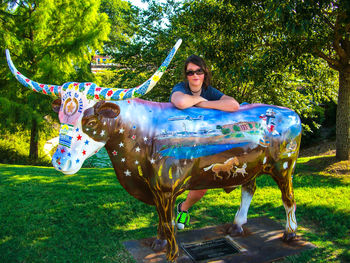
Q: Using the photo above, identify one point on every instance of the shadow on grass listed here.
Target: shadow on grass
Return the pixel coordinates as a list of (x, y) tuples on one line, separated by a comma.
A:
[(328, 164), (317, 172), (318, 163), (302, 179), (11, 156)]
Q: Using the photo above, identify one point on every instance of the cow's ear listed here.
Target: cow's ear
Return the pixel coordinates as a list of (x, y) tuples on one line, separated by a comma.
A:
[(56, 105), (107, 109)]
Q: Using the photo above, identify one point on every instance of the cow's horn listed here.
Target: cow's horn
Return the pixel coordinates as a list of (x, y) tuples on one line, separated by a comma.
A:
[(51, 90), (123, 94)]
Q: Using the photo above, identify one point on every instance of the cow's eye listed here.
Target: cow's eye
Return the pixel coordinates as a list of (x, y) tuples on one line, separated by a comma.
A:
[(91, 123)]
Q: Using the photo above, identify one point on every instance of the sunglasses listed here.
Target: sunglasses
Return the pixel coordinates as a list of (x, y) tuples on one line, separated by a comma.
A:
[(192, 72)]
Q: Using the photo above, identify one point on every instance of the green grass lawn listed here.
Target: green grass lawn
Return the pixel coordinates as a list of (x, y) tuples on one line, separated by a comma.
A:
[(48, 217)]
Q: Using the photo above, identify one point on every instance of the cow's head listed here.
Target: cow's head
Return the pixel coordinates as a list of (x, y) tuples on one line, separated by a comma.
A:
[(83, 110)]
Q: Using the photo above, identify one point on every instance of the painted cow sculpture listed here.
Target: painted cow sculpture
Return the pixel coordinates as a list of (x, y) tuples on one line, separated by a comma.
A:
[(158, 151)]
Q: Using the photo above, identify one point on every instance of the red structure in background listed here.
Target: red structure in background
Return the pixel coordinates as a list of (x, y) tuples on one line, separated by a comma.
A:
[(100, 63)]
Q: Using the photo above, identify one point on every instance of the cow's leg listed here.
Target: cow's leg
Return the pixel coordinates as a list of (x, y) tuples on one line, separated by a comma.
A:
[(282, 174), (165, 202), (248, 191), (291, 225), (160, 243)]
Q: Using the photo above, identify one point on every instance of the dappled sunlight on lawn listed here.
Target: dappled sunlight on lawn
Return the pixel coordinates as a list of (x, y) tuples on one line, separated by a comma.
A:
[(85, 178), (5, 239), (39, 179), (103, 183), (83, 182), (39, 241), (114, 205), (135, 216), (17, 174), (138, 222)]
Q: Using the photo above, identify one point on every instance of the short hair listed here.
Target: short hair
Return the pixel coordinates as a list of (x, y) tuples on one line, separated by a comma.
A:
[(200, 63)]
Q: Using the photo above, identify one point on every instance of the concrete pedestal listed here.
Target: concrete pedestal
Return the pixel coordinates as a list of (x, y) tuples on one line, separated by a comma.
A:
[(262, 242)]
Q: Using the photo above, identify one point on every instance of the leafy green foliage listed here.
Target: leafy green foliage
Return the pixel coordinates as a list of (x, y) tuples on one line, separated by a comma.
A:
[(14, 145), (52, 42), (123, 19)]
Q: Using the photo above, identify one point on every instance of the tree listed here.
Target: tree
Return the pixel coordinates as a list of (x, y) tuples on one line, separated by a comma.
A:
[(271, 48), (322, 28), (138, 58), (51, 42), (123, 19)]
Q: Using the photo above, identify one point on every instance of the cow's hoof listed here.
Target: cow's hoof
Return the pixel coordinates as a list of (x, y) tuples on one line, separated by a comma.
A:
[(158, 245), (289, 236), (235, 230)]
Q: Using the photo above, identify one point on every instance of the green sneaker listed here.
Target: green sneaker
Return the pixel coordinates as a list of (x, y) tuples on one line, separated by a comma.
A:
[(182, 218)]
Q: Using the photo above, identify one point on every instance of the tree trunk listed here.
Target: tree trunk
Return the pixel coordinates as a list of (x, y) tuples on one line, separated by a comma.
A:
[(343, 117), (34, 139)]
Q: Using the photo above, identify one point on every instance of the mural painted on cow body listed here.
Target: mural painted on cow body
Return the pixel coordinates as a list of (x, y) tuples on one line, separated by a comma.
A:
[(159, 151), (184, 147)]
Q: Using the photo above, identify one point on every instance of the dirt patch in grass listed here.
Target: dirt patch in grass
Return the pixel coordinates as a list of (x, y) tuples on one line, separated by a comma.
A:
[(340, 168), (327, 163), (323, 148)]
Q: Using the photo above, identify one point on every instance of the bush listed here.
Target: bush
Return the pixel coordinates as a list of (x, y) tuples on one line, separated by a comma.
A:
[(14, 147), (321, 125)]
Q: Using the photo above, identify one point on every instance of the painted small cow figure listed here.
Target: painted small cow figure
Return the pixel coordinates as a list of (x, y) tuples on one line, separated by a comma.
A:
[(158, 151)]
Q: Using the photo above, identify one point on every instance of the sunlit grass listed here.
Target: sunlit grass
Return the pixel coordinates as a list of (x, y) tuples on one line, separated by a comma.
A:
[(48, 217)]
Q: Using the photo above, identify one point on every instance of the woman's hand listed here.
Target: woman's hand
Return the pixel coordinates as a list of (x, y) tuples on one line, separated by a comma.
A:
[(226, 103)]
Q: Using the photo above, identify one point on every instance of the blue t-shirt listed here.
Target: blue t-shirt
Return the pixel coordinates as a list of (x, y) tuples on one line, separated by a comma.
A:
[(209, 93)]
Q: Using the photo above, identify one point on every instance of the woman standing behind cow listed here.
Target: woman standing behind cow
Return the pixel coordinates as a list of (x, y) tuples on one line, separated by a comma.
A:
[(197, 91)]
